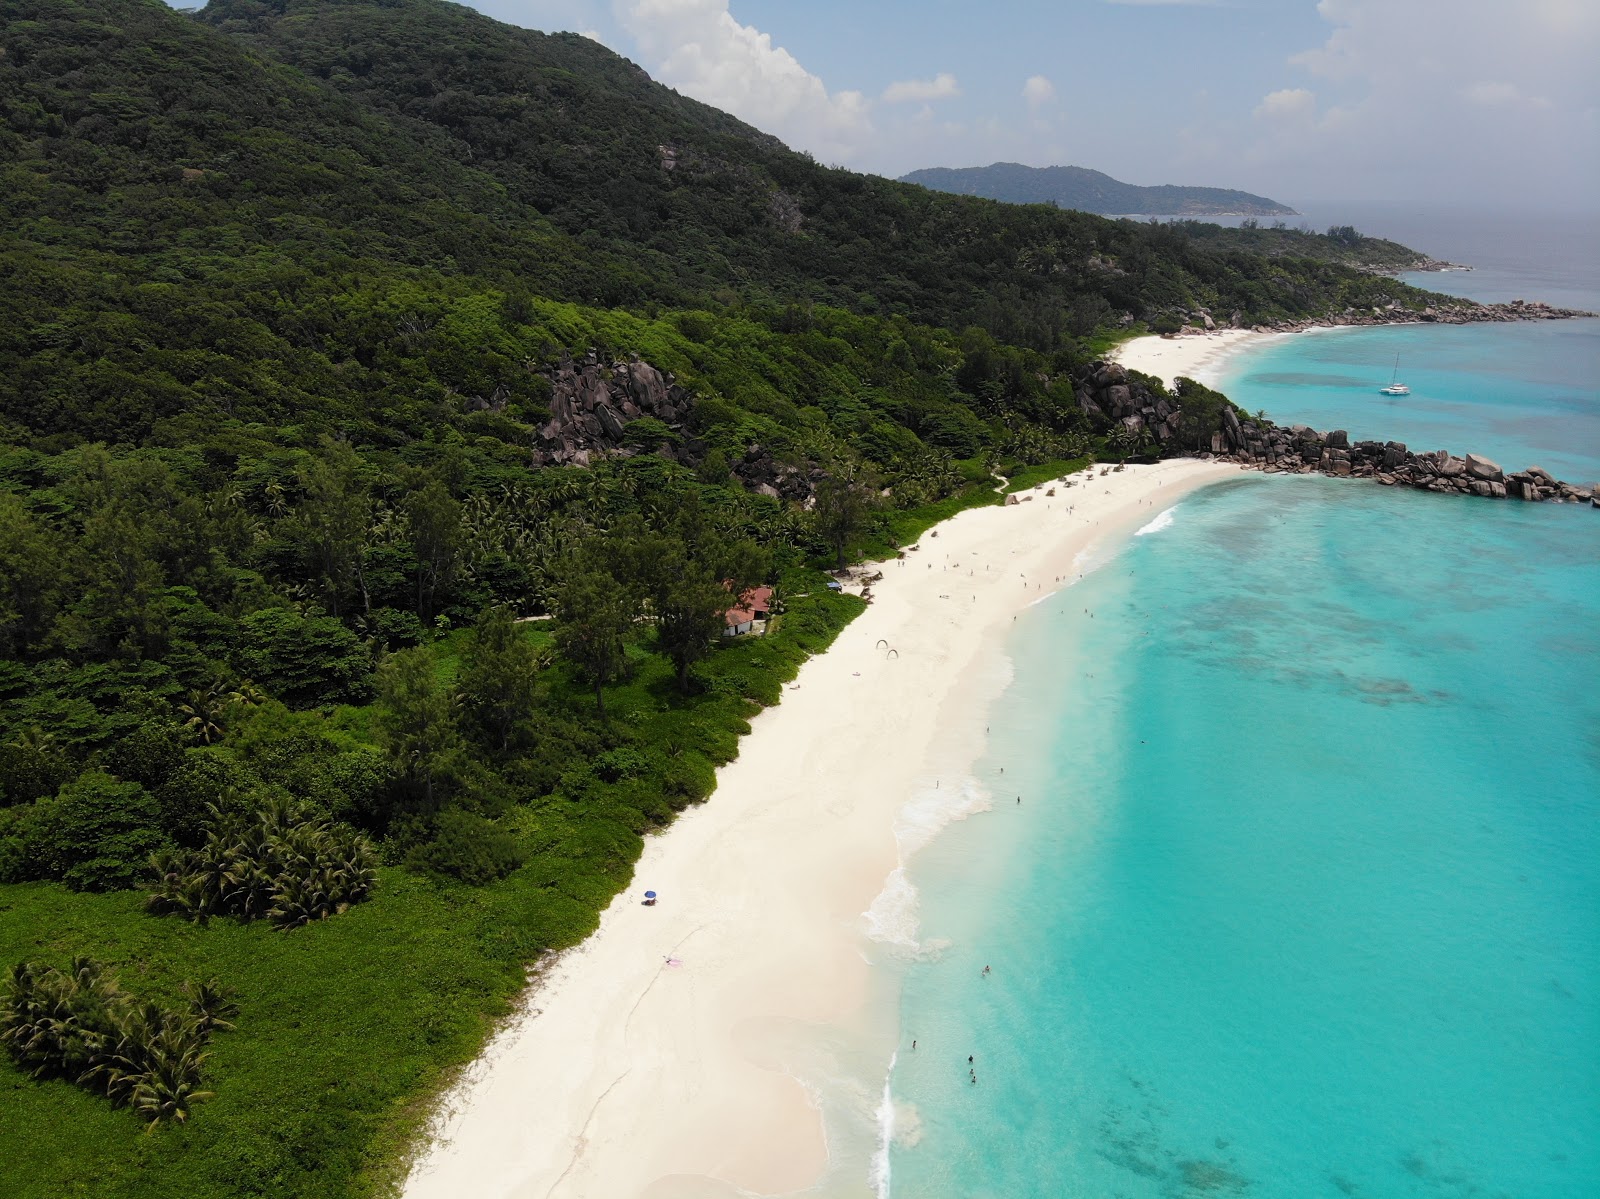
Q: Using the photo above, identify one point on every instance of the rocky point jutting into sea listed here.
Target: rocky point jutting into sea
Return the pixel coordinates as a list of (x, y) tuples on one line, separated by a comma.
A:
[(1111, 393)]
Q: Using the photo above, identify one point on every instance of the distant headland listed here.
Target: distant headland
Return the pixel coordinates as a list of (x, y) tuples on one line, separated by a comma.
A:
[(1092, 191)]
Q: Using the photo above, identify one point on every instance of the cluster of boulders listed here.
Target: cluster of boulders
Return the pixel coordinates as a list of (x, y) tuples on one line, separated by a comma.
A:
[(1108, 395), (1302, 450), (592, 402), (765, 474)]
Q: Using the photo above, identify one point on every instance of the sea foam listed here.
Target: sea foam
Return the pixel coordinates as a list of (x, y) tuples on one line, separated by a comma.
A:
[(886, 1122), (893, 917), (1162, 521)]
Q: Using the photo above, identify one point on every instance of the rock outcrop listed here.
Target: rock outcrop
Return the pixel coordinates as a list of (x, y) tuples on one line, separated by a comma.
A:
[(592, 404), (1110, 396), (1299, 450)]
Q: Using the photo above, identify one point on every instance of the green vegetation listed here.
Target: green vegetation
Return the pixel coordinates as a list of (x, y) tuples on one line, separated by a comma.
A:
[(1090, 191), (309, 683), (82, 1027), (1342, 244), (280, 862)]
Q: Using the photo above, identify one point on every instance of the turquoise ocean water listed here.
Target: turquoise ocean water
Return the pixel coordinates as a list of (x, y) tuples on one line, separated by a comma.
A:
[(1303, 894)]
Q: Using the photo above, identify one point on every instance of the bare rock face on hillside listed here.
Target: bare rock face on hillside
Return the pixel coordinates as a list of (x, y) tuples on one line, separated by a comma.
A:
[(593, 403)]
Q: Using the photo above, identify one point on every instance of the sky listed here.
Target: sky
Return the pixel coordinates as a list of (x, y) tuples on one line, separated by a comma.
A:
[(1458, 102)]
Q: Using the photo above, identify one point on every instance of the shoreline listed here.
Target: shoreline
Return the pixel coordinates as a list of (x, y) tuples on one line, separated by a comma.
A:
[(1199, 356), (626, 1074)]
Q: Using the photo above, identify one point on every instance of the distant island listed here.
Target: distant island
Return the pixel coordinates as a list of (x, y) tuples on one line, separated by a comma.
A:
[(1092, 191)]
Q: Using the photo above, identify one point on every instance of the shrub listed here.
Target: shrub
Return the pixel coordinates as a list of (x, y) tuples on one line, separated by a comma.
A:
[(282, 864), (688, 779), (97, 834), (621, 763), (81, 1026), (304, 660), (17, 864), (395, 628), (32, 765), (469, 848), (206, 779), (147, 753)]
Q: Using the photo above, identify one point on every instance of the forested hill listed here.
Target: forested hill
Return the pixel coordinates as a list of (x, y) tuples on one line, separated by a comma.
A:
[(710, 208), (1092, 191)]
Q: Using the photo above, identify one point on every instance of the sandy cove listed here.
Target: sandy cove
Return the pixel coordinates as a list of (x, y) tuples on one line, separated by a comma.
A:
[(632, 1076), (1199, 357)]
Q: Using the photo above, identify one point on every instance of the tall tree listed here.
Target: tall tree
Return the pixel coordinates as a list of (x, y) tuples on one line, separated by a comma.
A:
[(331, 523), (118, 609), (435, 519), (31, 572), (844, 501), (501, 678), (594, 614), (690, 607), (418, 723)]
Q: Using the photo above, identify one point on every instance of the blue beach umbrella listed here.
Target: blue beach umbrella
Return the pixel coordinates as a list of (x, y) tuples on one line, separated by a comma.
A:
[(649, 894)]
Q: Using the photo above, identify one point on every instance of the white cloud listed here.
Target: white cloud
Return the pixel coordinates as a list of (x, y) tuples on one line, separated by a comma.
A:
[(1471, 97), (941, 87), (698, 47), (1502, 95), (1038, 91), (1290, 103)]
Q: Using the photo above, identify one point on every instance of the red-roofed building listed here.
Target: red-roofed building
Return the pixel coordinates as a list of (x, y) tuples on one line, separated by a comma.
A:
[(752, 607)]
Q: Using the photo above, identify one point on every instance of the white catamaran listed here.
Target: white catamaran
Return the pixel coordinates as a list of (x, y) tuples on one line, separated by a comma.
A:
[(1395, 388)]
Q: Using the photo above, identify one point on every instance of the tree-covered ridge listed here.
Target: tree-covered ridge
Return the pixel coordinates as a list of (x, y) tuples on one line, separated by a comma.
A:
[(197, 234), (1091, 191), (1339, 243), (586, 138)]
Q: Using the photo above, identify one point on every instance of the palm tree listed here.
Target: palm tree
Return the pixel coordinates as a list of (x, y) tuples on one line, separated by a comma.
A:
[(204, 712), (33, 738), (171, 1086), (277, 502), (81, 1025), (247, 694), (211, 1006)]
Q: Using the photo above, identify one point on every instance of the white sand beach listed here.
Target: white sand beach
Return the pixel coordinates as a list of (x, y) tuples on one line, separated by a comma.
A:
[(654, 1061), (1199, 357)]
